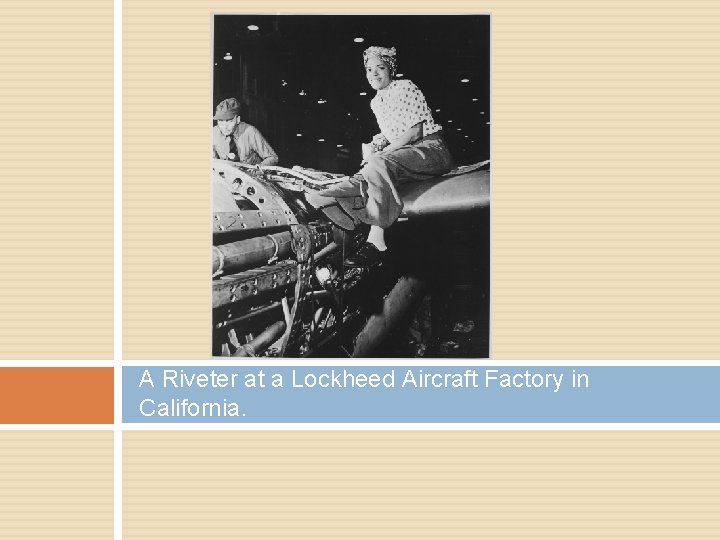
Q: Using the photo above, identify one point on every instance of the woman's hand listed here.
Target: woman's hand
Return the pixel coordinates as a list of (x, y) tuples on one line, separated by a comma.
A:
[(411, 135)]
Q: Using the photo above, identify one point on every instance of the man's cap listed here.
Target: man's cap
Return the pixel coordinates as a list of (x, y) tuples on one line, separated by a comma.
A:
[(227, 109)]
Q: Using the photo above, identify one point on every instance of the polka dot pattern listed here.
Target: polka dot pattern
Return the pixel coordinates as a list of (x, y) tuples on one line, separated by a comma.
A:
[(401, 106)]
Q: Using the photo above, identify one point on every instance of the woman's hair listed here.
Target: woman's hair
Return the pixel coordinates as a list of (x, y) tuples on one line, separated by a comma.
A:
[(383, 53)]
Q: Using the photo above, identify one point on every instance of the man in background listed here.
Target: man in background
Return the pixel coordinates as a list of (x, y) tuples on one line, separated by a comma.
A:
[(235, 140)]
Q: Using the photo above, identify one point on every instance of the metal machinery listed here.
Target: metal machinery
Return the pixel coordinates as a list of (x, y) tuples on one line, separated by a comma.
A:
[(280, 287)]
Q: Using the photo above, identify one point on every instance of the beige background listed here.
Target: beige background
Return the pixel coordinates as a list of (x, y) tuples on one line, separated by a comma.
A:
[(605, 166), (434, 485), (56, 485), (605, 232), (56, 179)]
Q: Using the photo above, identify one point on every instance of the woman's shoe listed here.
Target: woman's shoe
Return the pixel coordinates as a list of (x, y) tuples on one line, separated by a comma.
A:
[(365, 257)]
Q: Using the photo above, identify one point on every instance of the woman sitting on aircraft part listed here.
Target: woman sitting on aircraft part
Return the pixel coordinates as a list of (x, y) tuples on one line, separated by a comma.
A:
[(409, 147)]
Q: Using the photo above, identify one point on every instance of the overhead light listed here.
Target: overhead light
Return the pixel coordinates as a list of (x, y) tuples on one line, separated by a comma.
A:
[(459, 129), (449, 121), (321, 101), (321, 140), (339, 145), (475, 99), (253, 27), (216, 63), (464, 80), (227, 56), (467, 136), (302, 93), (437, 110), (284, 82), (482, 112), (363, 93), (298, 134), (358, 40), (399, 75)]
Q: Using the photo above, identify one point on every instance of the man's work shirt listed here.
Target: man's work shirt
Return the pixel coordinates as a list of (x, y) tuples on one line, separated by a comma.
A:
[(252, 148)]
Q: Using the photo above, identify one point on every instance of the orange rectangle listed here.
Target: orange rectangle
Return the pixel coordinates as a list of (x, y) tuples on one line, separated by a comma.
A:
[(56, 395)]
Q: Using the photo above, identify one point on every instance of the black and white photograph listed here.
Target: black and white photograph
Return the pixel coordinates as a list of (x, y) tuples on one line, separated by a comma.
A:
[(350, 170)]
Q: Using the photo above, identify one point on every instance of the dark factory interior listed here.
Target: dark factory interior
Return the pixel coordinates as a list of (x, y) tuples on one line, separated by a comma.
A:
[(300, 80)]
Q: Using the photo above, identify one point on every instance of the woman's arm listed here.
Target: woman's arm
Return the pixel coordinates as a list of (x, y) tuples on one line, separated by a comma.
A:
[(412, 134)]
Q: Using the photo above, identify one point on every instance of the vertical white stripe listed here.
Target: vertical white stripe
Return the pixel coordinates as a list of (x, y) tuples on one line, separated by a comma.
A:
[(117, 255)]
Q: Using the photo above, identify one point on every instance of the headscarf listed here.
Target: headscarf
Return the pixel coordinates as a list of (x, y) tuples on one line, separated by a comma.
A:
[(384, 54)]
